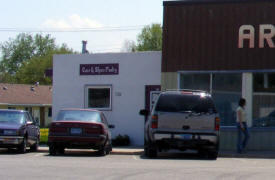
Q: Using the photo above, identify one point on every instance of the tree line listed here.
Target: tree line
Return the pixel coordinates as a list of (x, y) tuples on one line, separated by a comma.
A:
[(26, 57)]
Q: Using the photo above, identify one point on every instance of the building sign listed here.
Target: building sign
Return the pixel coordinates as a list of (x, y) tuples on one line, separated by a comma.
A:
[(99, 69), (218, 35), (266, 33)]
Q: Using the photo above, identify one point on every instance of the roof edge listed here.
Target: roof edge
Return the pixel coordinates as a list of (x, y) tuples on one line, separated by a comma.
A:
[(34, 105), (189, 2)]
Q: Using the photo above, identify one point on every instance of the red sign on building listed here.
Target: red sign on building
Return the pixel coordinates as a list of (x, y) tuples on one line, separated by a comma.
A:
[(99, 69)]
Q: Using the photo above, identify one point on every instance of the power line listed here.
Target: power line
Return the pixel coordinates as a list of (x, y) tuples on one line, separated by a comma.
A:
[(71, 30)]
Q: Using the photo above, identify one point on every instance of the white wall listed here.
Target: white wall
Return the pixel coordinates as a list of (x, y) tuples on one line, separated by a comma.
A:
[(135, 71)]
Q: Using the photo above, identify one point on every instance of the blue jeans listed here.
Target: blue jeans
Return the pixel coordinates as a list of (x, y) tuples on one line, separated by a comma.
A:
[(242, 142)]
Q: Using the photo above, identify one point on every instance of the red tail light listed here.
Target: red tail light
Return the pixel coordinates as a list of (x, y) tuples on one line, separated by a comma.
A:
[(154, 123), (217, 123), (95, 129)]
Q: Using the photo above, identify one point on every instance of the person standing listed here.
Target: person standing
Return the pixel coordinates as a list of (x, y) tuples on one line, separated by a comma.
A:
[(242, 126)]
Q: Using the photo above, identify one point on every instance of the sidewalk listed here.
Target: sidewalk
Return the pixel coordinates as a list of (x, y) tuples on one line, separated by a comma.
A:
[(223, 154), (248, 154)]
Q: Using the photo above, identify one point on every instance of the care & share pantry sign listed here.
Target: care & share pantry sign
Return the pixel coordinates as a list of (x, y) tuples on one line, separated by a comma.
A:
[(99, 69)]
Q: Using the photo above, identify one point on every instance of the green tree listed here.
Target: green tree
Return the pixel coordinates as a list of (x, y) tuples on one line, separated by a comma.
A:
[(19, 50), (150, 39), (33, 70)]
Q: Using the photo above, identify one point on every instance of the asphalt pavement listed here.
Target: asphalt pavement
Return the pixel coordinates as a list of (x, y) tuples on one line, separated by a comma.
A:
[(128, 164), (133, 150)]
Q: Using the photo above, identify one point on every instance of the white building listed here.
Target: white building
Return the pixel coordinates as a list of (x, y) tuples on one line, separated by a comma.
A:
[(113, 82)]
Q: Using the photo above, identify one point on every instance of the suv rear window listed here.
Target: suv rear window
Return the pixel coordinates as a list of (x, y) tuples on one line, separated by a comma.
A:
[(185, 103)]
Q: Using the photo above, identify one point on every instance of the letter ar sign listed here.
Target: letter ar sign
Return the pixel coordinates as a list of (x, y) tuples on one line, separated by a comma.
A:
[(266, 33)]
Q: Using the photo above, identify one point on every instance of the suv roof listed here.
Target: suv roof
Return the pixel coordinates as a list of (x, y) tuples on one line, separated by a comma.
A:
[(187, 92)]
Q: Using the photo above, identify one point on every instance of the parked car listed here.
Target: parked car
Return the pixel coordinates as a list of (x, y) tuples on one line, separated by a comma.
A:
[(18, 130), (182, 119), (80, 128), (266, 121)]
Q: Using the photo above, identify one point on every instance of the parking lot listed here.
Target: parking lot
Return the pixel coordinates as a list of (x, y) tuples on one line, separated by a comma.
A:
[(85, 164)]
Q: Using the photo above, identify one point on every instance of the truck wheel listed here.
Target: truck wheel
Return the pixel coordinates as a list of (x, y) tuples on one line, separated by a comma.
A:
[(213, 155), (102, 151), (34, 147), (150, 151), (23, 146), (61, 150), (52, 150)]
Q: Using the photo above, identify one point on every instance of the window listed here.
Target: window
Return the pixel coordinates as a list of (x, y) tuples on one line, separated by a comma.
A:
[(98, 97), (264, 82), (29, 109), (226, 92), (195, 81), (50, 112), (185, 103), (76, 115), (264, 100)]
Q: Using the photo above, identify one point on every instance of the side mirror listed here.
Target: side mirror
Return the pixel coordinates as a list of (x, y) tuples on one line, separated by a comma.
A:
[(111, 126), (144, 112), (30, 123)]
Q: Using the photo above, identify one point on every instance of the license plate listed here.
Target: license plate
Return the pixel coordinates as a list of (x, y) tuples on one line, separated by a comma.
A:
[(186, 136), (76, 130)]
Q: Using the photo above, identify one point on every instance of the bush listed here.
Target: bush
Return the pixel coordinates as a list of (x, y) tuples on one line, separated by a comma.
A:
[(44, 132), (121, 140)]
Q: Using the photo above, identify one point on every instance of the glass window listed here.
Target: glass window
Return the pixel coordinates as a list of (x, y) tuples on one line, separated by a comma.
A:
[(226, 92), (264, 82), (185, 103), (50, 112), (77, 115), (98, 97), (264, 99), (12, 117), (195, 81)]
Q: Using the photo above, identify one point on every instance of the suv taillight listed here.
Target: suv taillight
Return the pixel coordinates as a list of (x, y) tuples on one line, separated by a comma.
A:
[(154, 123), (217, 123)]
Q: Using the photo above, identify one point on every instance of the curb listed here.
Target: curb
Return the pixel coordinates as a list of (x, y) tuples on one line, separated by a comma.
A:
[(222, 154), (115, 151)]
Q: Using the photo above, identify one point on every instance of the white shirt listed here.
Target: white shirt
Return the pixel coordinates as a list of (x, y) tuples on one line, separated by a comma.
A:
[(243, 114)]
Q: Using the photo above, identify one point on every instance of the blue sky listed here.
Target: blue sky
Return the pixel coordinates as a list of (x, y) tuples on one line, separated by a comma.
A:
[(49, 14)]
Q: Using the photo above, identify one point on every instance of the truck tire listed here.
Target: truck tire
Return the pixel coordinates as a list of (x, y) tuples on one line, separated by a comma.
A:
[(212, 154), (23, 146), (150, 151), (52, 150), (34, 147)]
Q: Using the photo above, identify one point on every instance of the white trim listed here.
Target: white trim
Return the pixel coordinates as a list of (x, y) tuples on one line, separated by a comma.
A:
[(8, 104), (264, 93), (211, 84), (88, 86), (179, 80), (247, 91)]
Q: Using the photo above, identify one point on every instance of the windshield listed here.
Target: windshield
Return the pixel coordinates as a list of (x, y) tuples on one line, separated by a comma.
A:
[(12, 117), (76, 115), (185, 103)]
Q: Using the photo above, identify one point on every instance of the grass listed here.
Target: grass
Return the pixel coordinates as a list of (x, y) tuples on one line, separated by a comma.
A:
[(44, 132)]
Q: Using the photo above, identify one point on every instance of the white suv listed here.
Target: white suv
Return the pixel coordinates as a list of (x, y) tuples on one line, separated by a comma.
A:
[(182, 119)]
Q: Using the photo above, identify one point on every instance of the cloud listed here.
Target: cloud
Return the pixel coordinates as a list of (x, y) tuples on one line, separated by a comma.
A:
[(73, 21)]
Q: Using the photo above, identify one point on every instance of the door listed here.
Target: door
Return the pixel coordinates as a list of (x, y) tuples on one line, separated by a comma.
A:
[(31, 129), (151, 92), (42, 116)]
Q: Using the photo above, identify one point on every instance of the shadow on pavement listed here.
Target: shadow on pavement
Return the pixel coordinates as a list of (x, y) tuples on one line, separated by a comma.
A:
[(13, 151), (178, 156), (76, 153)]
